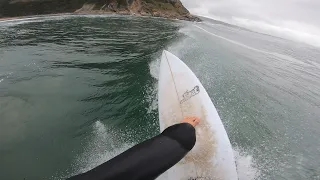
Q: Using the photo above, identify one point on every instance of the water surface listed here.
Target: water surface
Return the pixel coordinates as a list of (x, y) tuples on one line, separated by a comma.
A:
[(77, 90)]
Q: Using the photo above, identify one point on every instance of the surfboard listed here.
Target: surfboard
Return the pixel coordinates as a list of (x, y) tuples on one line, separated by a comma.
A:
[(181, 94)]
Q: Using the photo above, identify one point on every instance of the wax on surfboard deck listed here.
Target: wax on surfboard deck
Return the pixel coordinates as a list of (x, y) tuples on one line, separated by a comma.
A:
[(181, 94)]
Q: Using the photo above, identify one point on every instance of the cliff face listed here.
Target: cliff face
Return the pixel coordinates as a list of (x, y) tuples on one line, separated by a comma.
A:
[(159, 8)]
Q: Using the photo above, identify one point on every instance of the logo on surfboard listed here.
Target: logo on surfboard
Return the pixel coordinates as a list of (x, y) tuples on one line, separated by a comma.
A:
[(189, 94)]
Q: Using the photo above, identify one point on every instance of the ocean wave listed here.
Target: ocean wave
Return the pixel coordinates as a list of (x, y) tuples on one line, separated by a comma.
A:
[(292, 30), (151, 91), (18, 21), (289, 30), (279, 56)]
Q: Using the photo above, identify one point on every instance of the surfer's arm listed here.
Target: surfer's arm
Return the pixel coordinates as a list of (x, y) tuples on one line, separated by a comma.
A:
[(148, 159)]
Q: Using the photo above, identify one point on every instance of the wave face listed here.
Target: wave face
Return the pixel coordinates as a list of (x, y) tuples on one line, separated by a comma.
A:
[(295, 20), (266, 90), (291, 30), (74, 89)]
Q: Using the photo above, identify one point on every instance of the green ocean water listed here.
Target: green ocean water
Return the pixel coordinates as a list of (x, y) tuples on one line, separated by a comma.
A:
[(77, 90)]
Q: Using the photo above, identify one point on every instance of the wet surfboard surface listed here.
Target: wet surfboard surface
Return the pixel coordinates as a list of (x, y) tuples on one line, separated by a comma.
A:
[(181, 94)]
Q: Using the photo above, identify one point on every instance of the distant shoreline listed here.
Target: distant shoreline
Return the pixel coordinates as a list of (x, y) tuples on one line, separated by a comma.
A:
[(32, 16), (194, 18)]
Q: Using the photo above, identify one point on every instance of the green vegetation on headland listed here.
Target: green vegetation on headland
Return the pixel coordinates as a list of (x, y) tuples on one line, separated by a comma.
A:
[(159, 8)]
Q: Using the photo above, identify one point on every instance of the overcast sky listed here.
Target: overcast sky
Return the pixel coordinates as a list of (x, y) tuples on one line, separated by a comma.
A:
[(300, 17)]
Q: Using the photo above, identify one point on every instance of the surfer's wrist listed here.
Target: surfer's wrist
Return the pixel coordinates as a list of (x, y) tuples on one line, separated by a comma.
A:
[(183, 133)]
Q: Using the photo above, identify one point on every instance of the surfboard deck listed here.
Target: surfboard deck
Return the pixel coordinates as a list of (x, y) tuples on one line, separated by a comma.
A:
[(181, 94)]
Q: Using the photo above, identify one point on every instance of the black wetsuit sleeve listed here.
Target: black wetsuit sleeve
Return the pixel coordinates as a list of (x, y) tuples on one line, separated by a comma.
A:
[(148, 159)]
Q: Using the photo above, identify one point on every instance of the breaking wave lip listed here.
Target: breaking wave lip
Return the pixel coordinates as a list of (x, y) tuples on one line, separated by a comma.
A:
[(290, 30), (278, 55), (42, 18), (151, 91), (284, 32), (25, 20), (14, 22)]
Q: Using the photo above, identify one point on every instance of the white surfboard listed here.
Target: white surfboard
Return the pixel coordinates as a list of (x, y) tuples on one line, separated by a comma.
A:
[(181, 94)]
